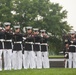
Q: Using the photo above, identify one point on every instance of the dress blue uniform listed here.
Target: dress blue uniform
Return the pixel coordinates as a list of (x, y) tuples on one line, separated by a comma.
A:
[(1, 46), (28, 49), (7, 46), (17, 48), (37, 48), (44, 49)]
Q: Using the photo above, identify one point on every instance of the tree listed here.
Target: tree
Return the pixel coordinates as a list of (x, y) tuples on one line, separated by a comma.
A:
[(5, 10), (42, 14)]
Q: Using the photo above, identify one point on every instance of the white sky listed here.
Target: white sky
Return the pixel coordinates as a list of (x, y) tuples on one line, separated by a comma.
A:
[(70, 6)]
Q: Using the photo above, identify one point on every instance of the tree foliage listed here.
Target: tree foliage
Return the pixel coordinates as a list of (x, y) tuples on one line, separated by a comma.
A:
[(5, 10)]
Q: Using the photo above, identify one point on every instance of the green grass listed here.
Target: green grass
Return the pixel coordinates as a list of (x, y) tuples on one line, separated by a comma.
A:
[(52, 71), (56, 56)]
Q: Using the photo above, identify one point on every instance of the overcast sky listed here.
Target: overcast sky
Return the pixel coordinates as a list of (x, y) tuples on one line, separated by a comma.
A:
[(70, 6)]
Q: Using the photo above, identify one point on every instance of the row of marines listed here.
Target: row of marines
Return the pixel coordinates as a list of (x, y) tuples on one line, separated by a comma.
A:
[(70, 49), (29, 49)]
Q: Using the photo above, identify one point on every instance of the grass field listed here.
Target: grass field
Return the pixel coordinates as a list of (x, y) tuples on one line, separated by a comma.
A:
[(56, 56), (52, 71)]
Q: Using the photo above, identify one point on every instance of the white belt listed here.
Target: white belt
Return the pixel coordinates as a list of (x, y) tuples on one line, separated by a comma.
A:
[(36, 43), (8, 40), (44, 44), (18, 42), (29, 42), (73, 45), (1, 40)]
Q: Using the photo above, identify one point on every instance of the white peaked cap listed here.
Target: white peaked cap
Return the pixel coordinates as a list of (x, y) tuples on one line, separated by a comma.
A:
[(43, 30), (16, 27), (7, 23), (29, 27), (35, 29), (72, 32)]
